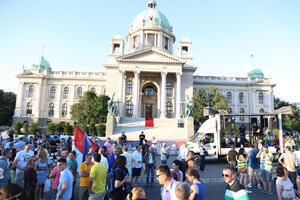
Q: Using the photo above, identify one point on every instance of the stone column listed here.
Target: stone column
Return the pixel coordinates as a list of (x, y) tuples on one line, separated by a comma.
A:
[(254, 101), (19, 101), (136, 93), (57, 106), (236, 101), (38, 97), (271, 108), (121, 89), (163, 95), (178, 94)]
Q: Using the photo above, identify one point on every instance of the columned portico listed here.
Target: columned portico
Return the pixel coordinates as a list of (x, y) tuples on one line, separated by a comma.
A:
[(136, 94), (178, 94), (121, 96), (163, 94)]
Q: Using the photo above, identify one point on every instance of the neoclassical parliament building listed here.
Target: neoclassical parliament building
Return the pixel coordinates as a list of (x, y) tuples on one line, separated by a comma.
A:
[(148, 79)]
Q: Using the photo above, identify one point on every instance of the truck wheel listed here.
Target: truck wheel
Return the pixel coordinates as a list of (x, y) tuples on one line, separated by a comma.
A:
[(197, 159)]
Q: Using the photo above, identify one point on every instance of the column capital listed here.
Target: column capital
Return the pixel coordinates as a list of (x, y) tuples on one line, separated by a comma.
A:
[(178, 73), (136, 72), (122, 71), (164, 73)]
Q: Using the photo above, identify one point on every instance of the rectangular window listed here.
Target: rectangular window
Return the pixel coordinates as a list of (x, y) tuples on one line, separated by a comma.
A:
[(150, 39), (166, 43)]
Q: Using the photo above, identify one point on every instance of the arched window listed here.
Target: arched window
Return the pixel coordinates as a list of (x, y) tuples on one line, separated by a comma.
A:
[(242, 110), (129, 108), (261, 110), (30, 91), (79, 92), (66, 93), (169, 109), (52, 92), (241, 97), (93, 89), (261, 98), (64, 110), (169, 88), (129, 86), (229, 97), (29, 108), (51, 110), (149, 91)]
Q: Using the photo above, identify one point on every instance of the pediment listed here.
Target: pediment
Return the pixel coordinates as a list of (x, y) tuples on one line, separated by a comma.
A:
[(150, 55)]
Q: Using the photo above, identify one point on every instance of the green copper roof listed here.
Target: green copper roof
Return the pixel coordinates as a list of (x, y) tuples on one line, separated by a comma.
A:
[(42, 64), (154, 14), (256, 73)]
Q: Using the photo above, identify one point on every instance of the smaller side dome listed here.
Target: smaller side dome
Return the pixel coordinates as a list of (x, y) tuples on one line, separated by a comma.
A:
[(256, 73), (42, 64)]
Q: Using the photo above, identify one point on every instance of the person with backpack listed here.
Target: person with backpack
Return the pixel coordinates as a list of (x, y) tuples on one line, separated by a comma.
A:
[(118, 180)]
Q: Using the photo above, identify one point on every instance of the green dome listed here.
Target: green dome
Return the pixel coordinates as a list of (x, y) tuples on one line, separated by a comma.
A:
[(151, 15), (42, 64), (256, 73)]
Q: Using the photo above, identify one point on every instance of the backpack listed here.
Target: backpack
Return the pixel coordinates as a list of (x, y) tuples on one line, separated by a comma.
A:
[(110, 182)]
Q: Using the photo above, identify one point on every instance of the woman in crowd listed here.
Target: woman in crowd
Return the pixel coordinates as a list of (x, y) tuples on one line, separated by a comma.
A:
[(137, 193), (121, 179), (284, 187), (197, 188), (11, 191), (176, 173), (30, 179), (242, 167), (43, 165)]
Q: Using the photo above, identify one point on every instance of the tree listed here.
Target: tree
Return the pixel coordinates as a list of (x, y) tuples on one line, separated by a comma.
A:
[(7, 107), (60, 127), (91, 109), (26, 127), (212, 98), (17, 127), (33, 128), (101, 128), (51, 127), (68, 129)]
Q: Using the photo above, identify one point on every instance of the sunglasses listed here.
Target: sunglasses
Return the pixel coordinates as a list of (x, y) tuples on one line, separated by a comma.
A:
[(158, 175), (226, 175)]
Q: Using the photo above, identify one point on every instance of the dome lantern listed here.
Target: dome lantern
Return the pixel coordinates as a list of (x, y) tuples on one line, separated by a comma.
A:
[(151, 4)]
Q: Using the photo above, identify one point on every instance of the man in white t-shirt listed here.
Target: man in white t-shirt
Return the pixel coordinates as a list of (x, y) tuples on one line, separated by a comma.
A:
[(136, 171), (154, 144), (297, 155), (20, 163), (104, 160)]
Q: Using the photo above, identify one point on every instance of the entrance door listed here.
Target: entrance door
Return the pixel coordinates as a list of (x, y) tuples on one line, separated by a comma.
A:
[(148, 111)]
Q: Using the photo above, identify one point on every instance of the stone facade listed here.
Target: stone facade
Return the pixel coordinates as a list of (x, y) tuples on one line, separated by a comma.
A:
[(148, 81)]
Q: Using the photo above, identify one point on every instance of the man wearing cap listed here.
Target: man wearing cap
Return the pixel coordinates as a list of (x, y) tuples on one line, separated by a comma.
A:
[(4, 167)]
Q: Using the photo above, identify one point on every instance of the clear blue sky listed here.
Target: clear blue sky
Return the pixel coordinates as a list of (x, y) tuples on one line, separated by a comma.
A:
[(76, 35)]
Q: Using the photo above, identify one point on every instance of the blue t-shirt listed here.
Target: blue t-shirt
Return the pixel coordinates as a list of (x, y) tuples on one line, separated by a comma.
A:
[(65, 175), (253, 161), (201, 189)]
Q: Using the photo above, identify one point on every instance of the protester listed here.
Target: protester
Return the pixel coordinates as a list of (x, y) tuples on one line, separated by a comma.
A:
[(11, 192), (253, 167), (266, 165), (20, 163), (43, 165), (123, 139), (145, 148), (164, 153), (104, 160), (30, 179), (197, 188), (242, 167), (98, 175), (136, 171), (55, 175), (72, 162), (142, 137), (183, 152), (65, 186), (284, 187), (108, 146), (297, 154), (163, 175), (289, 161), (112, 158), (234, 190), (202, 156), (231, 158), (121, 179), (5, 166), (176, 173), (137, 193), (154, 144), (150, 165), (130, 161), (183, 191), (119, 143), (84, 174)]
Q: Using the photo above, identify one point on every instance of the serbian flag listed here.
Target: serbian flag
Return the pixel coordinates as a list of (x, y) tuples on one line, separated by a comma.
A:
[(81, 145)]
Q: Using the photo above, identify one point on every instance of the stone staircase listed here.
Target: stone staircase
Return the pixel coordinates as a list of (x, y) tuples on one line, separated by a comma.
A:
[(165, 129)]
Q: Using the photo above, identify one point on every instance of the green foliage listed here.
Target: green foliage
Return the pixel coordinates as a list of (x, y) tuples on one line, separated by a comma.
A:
[(60, 127), (68, 129), (26, 127), (212, 98), (33, 128), (7, 107), (17, 127), (92, 129), (90, 110), (100, 129), (289, 122), (51, 127)]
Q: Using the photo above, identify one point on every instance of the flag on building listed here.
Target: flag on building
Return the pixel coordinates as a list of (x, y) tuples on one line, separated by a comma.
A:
[(81, 145)]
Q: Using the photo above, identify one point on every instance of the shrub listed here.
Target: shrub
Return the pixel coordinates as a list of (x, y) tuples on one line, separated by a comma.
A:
[(100, 129)]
